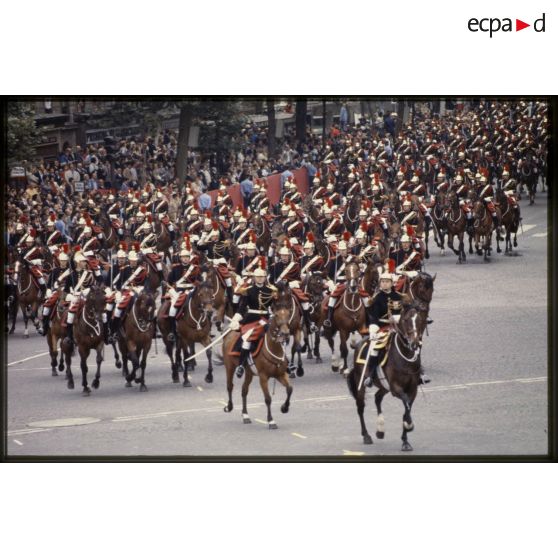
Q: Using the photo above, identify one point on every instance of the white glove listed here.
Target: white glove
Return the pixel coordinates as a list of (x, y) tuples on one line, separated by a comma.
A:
[(235, 322), (373, 331)]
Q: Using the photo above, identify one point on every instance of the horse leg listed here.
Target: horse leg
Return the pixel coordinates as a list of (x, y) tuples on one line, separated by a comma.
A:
[(125, 370), (299, 368), (378, 397), (334, 358), (174, 366), (97, 380), (61, 361), (209, 354), (69, 376), (267, 398), (185, 354), (143, 364), (317, 347), (83, 363), (290, 366), (408, 425), (192, 362), (14, 317), (230, 373), (245, 387), (53, 352), (343, 350), (354, 377), (463, 256), (283, 379), (117, 361), (470, 244), (25, 320)]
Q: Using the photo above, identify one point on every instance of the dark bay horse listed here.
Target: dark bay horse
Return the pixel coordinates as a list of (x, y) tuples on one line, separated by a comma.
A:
[(314, 288), (270, 362), (483, 227), (401, 371), (28, 296), (88, 336), (456, 223), (56, 332), (511, 217), (137, 330)]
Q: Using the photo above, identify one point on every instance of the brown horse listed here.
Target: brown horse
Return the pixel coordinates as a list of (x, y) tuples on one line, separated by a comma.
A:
[(456, 223), (163, 239), (56, 332), (511, 218), (269, 362), (438, 222), (285, 299), (399, 374), (28, 296), (483, 227), (137, 329), (314, 288), (221, 305), (88, 335), (193, 325), (263, 233), (370, 278), (348, 317), (110, 236)]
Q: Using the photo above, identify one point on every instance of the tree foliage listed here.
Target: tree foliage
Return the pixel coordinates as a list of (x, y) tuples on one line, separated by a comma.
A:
[(22, 134)]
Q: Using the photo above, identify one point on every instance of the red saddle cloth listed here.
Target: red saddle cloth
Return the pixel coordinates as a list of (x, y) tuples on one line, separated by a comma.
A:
[(400, 284), (342, 287), (52, 300), (223, 273), (300, 295), (235, 351)]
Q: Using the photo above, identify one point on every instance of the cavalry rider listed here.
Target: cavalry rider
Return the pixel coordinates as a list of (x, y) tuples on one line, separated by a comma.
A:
[(509, 186), (407, 259), (486, 195), (148, 246), (84, 281), (52, 238), (129, 277), (182, 280), (336, 273), (160, 209), (289, 272), (240, 232), (363, 250), (32, 258), (253, 313), (406, 216), (310, 262), (245, 267), (62, 276)]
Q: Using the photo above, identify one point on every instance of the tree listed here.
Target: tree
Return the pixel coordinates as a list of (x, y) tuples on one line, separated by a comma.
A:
[(22, 133), (300, 119), (271, 128), (185, 122)]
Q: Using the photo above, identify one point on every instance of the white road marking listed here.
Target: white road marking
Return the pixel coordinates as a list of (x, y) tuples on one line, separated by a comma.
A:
[(26, 359), (27, 369), (299, 435), (18, 442), (262, 421), (526, 228), (540, 235), (200, 388), (349, 452), (27, 431)]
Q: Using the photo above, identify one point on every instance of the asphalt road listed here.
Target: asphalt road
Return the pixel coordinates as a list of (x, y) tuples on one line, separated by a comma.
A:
[(486, 354)]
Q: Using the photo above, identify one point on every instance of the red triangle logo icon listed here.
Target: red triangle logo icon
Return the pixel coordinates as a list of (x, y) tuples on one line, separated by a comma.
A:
[(519, 25)]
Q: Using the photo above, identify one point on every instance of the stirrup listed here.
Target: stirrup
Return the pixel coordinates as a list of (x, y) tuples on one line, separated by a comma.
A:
[(327, 323), (171, 337), (369, 381), (424, 379), (239, 371)]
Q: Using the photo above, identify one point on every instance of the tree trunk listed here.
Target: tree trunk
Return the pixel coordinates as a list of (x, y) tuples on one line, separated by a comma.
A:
[(400, 115), (185, 122), (271, 128), (300, 120)]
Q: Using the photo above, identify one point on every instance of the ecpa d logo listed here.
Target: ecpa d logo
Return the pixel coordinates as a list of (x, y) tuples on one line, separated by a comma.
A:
[(494, 24)]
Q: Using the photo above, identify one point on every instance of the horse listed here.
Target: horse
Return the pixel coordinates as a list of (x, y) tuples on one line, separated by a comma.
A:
[(28, 296), (350, 215), (482, 227), (193, 325), (370, 277), (137, 330), (221, 305), (528, 175), (314, 288), (511, 218), (56, 332), (88, 335), (285, 299), (164, 241), (438, 220), (456, 223), (349, 316), (263, 233), (401, 371), (270, 361)]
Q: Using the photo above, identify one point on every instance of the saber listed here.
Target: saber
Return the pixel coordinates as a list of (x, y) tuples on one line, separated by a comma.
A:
[(209, 346)]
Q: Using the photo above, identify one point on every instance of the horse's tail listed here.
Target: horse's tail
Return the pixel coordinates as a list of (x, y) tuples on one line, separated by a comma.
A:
[(352, 383)]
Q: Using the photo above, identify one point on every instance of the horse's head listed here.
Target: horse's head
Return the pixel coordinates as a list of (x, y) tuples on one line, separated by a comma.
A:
[(422, 287), (412, 323), (352, 273), (283, 291), (204, 298), (95, 302), (478, 209), (279, 326), (145, 305)]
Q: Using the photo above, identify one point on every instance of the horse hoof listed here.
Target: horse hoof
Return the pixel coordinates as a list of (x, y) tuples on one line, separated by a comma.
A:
[(318, 360), (209, 378), (95, 383), (86, 392), (309, 356), (137, 380), (515, 244), (367, 439), (334, 369), (498, 250), (70, 384), (118, 364), (186, 383), (380, 435), (300, 371), (175, 378), (406, 447), (272, 426), (128, 384), (228, 408), (54, 373), (245, 420), (143, 387), (180, 368), (61, 367), (292, 375), (427, 255), (284, 408)]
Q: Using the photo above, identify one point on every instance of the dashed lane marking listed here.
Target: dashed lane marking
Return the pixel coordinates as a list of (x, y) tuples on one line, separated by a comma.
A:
[(349, 452), (540, 235), (299, 435), (526, 228), (26, 359), (18, 442), (200, 388), (27, 431)]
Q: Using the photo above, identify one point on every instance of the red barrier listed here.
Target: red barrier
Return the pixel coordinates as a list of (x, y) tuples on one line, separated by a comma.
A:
[(273, 187)]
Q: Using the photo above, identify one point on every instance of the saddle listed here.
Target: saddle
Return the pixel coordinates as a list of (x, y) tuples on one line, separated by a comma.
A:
[(235, 350), (116, 224), (382, 346), (77, 312), (325, 303)]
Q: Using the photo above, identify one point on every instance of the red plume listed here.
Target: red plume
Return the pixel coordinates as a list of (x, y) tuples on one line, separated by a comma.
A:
[(187, 243), (507, 167), (208, 214), (124, 246), (310, 237), (318, 174), (24, 219), (329, 202), (215, 225), (364, 227), (136, 246), (143, 209), (77, 248), (88, 221), (149, 218), (245, 213), (410, 231), (66, 248), (52, 217), (85, 215), (137, 195), (293, 206), (287, 200), (391, 266), (287, 243), (346, 236), (196, 205), (252, 235), (262, 262)]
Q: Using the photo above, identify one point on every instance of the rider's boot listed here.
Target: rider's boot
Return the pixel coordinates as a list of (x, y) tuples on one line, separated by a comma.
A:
[(70, 333), (115, 327), (329, 320), (43, 330), (372, 363), (239, 370), (106, 333), (172, 335)]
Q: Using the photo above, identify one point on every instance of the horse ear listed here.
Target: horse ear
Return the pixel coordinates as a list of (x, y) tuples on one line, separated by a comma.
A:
[(405, 300), (434, 277)]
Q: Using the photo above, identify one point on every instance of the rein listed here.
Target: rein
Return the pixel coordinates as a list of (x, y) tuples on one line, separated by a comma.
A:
[(143, 330), (411, 359), (95, 327), (198, 322)]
